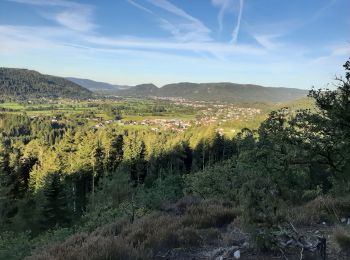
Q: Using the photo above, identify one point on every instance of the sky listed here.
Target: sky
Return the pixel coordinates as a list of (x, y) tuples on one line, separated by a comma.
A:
[(278, 43)]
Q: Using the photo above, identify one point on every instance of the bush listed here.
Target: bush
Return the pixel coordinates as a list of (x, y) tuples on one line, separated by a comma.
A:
[(261, 212), (218, 181), (342, 237), (158, 233), (209, 214), (14, 246), (163, 191)]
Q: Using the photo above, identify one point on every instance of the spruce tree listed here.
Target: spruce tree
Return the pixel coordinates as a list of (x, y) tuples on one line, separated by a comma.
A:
[(55, 210), (5, 185)]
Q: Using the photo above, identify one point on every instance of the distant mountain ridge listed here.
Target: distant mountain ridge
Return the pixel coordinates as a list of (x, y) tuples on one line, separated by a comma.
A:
[(23, 84), (97, 86), (224, 92)]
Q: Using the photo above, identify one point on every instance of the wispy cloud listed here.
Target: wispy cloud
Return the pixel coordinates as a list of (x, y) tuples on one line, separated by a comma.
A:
[(225, 6), (61, 3), (141, 7), (268, 41), (75, 16), (167, 45), (229, 6), (183, 26), (238, 23), (78, 19)]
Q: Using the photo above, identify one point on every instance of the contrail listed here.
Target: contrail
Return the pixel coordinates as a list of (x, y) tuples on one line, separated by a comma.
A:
[(221, 14), (238, 25)]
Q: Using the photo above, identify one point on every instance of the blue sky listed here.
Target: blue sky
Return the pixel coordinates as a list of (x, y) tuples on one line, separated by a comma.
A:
[(299, 43)]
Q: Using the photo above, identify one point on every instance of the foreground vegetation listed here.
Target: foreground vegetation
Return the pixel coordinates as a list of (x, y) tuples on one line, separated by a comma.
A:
[(71, 191)]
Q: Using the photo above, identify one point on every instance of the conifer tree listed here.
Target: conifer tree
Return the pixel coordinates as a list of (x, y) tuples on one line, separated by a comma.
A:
[(55, 211), (5, 184)]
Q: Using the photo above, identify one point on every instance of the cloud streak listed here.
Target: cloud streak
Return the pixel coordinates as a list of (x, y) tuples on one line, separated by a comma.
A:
[(75, 16), (225, 6), (176, 21), (238, 23), (141, 7)]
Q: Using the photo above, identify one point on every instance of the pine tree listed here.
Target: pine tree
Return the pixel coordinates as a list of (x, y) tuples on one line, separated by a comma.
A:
[(5, 185), (55, 210), (97, 167)]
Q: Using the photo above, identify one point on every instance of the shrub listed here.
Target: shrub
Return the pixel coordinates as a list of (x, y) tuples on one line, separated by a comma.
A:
[(261, 212), (211, 236), (166, 190), (342, 237), (189, 237), (218, 181), (209, 214), (14, 246), (111, 229), (180, 207)]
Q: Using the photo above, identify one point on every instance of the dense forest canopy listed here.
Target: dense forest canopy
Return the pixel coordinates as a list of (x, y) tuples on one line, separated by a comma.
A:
[(28, 84), (130, 192)]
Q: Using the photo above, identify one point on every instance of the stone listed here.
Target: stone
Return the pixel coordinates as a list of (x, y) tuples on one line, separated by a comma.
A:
[(343, 220), (245, 245), (230, 251), (237, 254)]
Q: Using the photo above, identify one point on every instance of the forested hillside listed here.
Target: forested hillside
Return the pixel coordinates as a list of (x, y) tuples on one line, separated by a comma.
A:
[(70, 191), (224, 92), (19, 84)]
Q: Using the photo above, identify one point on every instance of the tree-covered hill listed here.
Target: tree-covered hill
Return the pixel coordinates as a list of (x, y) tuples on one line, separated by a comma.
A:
[(141, 90), (224, 92), (25, 84)]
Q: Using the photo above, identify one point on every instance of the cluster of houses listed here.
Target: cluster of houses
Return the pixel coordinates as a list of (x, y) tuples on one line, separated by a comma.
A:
[(215, 114), (222, 113), (103, 123), (208, 113), (176, 125)]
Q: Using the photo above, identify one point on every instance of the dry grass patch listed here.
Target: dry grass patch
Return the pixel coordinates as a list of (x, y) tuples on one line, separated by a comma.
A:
[(190, 223), (209, 214), (342, 238), (159, 233), (82, 247), (321, 209)]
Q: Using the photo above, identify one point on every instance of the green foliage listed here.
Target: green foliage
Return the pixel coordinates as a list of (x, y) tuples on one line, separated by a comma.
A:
[(24, 84), (165, 190), (14, 246), (261, 211), (224, 92), (77, 170), (55, 211), (218, 181)]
